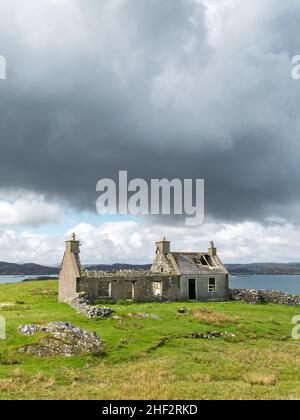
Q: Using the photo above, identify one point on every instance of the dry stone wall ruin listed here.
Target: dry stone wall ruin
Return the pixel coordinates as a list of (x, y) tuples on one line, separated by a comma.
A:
[(258, 297)]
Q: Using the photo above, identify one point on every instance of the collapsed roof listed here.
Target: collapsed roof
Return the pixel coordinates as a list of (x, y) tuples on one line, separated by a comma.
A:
[(197, 263)]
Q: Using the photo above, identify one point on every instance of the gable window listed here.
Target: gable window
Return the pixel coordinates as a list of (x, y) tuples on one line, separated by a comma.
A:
[(212, 285)]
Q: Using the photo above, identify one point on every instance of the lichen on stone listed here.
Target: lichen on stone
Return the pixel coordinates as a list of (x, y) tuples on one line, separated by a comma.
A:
[(60, 339)]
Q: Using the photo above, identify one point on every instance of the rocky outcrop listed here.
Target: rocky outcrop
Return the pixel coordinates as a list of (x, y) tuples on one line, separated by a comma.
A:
[(258, 297), (83, 305), (60, 339)]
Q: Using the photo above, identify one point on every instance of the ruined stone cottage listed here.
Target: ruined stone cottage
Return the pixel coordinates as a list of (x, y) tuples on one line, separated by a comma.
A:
[(174, 276)]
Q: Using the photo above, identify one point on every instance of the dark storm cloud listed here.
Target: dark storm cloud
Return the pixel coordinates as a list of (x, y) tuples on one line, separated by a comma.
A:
[(95, 87)]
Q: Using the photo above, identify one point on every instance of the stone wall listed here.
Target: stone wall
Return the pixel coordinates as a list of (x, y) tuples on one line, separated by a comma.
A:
[(146, 288), (171, 288), (121, 288), (139, 286), (95, 288), (257, 297)]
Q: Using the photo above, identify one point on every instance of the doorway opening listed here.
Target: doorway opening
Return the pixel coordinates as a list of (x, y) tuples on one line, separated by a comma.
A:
[(133, 291), (192, 289)]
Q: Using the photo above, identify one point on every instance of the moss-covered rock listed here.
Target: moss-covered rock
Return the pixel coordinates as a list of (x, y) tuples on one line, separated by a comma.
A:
[(60, 339)]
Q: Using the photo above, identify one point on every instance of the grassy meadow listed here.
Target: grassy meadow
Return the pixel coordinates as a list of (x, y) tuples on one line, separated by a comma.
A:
[(153, 358)]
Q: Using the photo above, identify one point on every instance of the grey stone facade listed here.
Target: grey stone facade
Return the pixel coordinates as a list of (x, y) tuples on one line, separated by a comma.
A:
[(173, 277), (202, 275)]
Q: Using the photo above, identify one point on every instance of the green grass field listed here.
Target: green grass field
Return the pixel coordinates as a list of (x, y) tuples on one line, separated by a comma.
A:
[(150, 358)]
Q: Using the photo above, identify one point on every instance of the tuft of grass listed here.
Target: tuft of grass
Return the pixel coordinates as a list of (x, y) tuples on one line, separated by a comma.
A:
[(16, 307), (6, 359), (212, 317), (51, 382), (260, 379), (40, 377), (18, 373)]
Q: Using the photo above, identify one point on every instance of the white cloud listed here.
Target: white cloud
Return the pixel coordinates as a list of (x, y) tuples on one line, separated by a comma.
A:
[(132, 242), (217, 14), (29, 210), (241, 242), (30, 247)]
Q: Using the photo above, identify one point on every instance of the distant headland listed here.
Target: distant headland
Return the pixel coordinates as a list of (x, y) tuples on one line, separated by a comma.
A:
[(11, 269)]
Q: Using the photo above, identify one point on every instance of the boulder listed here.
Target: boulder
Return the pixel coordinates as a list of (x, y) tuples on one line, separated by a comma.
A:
[(60, 339)]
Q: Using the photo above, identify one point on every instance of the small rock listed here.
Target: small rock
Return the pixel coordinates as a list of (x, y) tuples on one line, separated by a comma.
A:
[(212, 335), (182, 311), (143, 316), (28, 329)]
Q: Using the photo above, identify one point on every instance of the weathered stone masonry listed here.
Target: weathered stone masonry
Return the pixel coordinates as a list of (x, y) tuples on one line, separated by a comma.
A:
[(136, 285), (70, 272), (198, 276), (258, 297)]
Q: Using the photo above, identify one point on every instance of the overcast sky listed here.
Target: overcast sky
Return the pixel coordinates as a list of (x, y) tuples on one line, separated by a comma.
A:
[(160, 88)]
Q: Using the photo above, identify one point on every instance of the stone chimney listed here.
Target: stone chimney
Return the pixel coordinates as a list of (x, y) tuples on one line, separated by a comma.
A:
[(70, 270), (212, 250), (163, 246), (72, 245)]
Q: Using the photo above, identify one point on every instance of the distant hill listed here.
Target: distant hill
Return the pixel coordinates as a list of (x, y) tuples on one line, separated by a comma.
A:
[(10, 269), (264, 268), (234, 269)]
